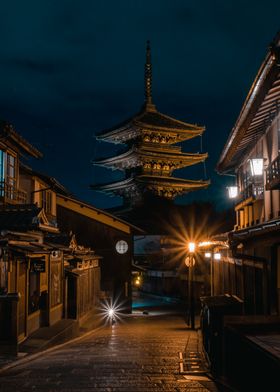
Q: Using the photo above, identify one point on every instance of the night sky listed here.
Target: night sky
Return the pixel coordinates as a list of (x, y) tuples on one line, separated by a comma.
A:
[(70, 69)]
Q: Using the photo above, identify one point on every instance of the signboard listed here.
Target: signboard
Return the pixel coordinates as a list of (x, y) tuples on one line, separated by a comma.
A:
[(38, 265)]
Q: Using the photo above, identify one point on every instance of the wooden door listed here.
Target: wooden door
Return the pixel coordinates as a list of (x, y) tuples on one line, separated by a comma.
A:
[(22, 301)]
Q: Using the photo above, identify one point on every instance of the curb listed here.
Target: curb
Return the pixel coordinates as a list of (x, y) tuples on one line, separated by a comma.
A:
[(30, 357)]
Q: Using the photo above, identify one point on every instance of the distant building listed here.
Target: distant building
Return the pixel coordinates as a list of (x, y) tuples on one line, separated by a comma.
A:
[(251, 153), (109, 236), (152, 153)]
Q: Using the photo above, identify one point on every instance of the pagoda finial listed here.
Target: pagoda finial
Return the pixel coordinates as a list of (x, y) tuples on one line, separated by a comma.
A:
[(148, 79)]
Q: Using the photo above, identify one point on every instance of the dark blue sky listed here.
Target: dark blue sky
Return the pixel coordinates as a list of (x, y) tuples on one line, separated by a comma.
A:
[(70, 69)]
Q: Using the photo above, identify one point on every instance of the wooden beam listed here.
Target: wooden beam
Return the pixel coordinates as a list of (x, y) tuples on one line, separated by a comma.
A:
[(92, 213)]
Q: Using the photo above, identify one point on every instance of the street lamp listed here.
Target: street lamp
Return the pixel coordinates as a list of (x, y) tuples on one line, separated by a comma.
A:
[(256, 166), (191, 319), (191, 247), (212, 257), (209, 255), (217, 256), (232, 192)]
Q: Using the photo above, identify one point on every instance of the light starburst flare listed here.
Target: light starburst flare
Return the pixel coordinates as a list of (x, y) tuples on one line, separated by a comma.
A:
[(111, 311)]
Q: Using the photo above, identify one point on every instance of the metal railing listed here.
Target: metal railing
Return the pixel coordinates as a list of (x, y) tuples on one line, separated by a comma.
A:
[(273, 174), (12, 194), (252, 190)]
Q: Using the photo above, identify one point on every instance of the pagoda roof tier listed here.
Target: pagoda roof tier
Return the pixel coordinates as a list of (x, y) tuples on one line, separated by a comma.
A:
[(114, 185), (153, 154), (168, 187), (127, 188), (138, 156), (148, 121), (173, 183)]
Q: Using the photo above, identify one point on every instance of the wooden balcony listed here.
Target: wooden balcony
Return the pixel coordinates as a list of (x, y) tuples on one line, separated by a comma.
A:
[(255, 191), (273, 175), (12, 195), (249, 195)]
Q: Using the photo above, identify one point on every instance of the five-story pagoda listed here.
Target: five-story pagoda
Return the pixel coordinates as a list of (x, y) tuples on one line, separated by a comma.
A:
[(152, 154)]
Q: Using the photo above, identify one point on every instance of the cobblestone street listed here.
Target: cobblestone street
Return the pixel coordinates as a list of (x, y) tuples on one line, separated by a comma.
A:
[(142, 353)]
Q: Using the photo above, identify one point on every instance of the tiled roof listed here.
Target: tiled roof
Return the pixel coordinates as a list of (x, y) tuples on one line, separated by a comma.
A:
[(157, 119), (9, 133), (260, 108), (153, 119), (51, 181), (173, 181)]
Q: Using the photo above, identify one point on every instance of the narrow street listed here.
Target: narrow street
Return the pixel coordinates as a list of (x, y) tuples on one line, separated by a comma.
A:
[(139, 353)]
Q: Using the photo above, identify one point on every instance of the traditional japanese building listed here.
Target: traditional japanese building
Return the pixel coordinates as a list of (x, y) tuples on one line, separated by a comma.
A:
[(44, 278), (251, 153), (251, 267), (152, 152)]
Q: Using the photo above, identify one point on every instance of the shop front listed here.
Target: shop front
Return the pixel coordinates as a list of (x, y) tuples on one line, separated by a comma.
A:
[(31, 289)]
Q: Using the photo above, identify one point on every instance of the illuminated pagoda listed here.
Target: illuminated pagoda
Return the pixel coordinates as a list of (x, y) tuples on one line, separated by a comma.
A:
[(152, 154)]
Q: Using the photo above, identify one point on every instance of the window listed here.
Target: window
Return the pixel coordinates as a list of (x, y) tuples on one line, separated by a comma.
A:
[(46, 201), (11, 176), (2, 172), (7, 175)]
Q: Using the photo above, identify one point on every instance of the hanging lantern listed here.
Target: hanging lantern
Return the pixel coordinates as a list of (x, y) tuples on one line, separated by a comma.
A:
[(256, 166), (232, 191)]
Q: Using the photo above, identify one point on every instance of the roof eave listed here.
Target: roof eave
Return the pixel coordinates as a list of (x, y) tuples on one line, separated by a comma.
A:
[(249, 108), (23, 144)]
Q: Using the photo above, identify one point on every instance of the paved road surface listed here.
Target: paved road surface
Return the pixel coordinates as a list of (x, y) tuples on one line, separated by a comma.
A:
[(139, 354)]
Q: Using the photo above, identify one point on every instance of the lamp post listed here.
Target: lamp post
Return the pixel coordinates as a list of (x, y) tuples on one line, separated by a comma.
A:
[(212, 256), (191, 319), (208, 255)]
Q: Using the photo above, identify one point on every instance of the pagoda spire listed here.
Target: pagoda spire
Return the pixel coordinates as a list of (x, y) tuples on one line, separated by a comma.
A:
[(149, 106)]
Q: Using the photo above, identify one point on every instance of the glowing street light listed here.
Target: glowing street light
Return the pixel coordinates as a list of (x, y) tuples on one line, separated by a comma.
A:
[(212, 256), (217, 256), (191, 247), (137, 281), (256, 166), (232, 192), (111, 311), (191, 318)]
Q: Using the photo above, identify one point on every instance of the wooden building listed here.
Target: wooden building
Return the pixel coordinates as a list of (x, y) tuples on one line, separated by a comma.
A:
[(152, 153), (35, 265), (109, 236), (31, 273), (251, 153)]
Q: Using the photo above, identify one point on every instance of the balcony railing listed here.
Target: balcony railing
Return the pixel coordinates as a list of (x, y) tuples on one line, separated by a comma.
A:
[(273, 175), (254, 191), (11, 194)]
